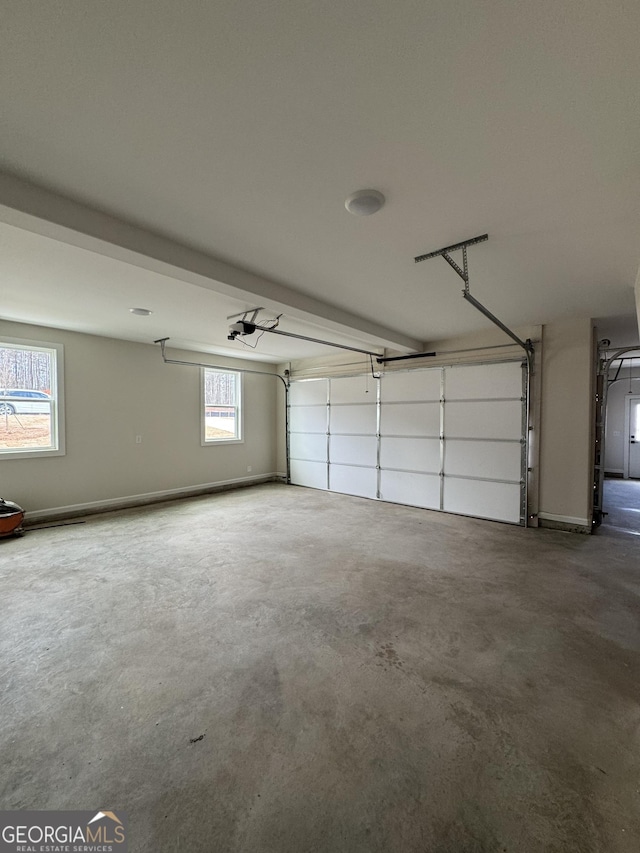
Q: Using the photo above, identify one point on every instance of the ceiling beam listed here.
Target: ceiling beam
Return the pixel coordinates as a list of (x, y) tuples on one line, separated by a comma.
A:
[(34, 208)]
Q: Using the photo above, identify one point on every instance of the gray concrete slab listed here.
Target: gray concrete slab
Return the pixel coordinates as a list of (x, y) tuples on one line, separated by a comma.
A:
[(366, 678), (622, 506)]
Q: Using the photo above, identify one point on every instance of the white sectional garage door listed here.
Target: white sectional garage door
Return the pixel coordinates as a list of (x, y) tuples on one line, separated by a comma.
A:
[(353, 436), (449, 438), (410, 415), (308, 429)]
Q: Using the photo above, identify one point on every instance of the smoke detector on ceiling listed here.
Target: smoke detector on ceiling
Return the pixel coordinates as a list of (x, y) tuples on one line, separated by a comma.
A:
[(364, 202)]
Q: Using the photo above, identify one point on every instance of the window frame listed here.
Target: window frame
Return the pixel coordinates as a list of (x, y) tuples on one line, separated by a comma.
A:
[(239, 437), (58, 446)]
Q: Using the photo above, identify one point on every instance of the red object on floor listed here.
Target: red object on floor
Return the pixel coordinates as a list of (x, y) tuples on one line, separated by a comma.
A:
[(11, 518)]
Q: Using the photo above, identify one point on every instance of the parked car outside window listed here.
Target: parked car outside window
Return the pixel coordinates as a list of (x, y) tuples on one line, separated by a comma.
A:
[(22, 401)]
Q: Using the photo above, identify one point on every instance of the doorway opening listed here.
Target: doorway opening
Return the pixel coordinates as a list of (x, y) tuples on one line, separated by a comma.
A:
[(622, 500), (621, 487), (632, 437)]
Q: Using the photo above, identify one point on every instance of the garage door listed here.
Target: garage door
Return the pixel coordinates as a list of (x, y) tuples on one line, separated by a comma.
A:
[(353, 436), (449, 438), (308, 431)]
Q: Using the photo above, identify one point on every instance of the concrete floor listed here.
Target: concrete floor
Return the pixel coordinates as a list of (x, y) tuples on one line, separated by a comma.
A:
[(622, 506), (366, 677)]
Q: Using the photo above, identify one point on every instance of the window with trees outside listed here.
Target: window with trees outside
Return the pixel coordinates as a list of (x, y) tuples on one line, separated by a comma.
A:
[(221, 416), (30, 399)]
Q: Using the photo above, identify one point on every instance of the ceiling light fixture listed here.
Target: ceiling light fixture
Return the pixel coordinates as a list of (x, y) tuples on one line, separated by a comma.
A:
[(364, 202), (140, 312)]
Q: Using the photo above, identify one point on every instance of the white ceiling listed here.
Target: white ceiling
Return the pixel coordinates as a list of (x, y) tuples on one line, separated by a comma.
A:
[(53, 283), (239, 128)]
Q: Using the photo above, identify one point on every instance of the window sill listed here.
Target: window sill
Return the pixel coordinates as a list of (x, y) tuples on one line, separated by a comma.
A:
[(36, 453)]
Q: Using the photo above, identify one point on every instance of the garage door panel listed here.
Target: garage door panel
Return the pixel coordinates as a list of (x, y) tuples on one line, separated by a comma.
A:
[(355, 389), (308, 393), (482, 499), (353, 420), (481, 420), (308, 446), (481, 381), (312, 474), (349, 480), (417, 385), (421, 419), (498, 460), (493, 419), (411, 454), (353, 450), (308, 419), (412, 489)]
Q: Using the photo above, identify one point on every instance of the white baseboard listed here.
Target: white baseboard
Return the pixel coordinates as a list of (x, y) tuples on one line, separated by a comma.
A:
[(570, 523), (565, 519), (147, 498)]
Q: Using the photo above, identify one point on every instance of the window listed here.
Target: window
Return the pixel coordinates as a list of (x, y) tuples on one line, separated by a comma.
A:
[(30, 399), (221, 416)]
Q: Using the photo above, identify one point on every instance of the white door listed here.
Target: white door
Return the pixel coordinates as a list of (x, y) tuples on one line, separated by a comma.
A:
[(410, 425), (446, 438), (452, 438), (353, 441), (634, 437), (308, 424), (484, 441)]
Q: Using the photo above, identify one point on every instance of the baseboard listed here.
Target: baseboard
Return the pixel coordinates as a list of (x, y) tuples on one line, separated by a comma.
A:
[(569, 523), (614, 472), (74, 510)]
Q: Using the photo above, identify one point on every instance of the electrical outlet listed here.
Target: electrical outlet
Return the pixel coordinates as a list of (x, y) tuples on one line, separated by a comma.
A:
[(138, 439), (249, 469)]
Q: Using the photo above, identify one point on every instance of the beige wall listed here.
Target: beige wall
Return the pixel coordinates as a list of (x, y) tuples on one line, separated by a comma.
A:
[(115, 390), (566, 486)]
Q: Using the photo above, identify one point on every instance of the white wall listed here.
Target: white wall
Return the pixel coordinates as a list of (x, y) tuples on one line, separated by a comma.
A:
[(115, 390), (566, 429)]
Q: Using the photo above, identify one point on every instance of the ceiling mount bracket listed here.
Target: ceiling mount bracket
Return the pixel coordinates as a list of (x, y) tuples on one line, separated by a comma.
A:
[(253, 311), (463, 272)]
